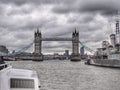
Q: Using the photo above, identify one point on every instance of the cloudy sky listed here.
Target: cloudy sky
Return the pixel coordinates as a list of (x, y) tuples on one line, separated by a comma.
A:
[(56, 18)]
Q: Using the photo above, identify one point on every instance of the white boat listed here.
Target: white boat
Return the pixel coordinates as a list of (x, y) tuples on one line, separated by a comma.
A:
[(18, 79)]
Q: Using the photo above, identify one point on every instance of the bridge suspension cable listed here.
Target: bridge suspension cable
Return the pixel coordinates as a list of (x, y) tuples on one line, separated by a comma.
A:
[(18, 52), (24, 49), (87, 48)]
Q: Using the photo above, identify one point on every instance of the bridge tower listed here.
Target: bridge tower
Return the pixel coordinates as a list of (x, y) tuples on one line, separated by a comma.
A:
[(75, 43), (38, 45), (75, 46)]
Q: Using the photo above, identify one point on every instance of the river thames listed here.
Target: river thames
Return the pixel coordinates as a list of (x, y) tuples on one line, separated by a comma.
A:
[(67, 75)]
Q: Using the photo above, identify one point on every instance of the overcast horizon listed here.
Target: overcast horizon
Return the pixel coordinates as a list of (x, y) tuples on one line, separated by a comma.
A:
[(19, 19)]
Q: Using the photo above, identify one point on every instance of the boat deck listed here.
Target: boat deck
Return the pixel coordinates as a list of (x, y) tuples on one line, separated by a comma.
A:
[(2, 66)]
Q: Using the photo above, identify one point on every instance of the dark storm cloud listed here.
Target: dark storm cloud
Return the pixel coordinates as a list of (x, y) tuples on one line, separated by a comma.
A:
[(84, 19), (21, 18), (63, 9), (105, 7), (60, 31), (21, 10), (36, 2), (1, 10), (55, 18)]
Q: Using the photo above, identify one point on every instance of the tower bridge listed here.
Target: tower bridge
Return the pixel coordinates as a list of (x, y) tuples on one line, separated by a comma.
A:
[(38, 43), (38, 39)]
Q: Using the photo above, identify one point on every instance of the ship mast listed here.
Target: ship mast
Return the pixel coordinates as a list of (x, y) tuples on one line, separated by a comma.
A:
[(117, 29)]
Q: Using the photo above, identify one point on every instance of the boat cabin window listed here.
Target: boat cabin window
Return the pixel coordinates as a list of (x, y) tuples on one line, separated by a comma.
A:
[(21, 83)]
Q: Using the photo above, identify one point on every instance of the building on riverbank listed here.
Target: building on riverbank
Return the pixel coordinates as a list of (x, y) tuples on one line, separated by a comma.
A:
[(3, 49)]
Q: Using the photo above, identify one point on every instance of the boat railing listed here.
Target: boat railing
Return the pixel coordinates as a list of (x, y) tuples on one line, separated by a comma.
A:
[(5, 65)]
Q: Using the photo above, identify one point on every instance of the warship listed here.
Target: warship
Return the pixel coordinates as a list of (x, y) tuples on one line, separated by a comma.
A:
[(109, 54)]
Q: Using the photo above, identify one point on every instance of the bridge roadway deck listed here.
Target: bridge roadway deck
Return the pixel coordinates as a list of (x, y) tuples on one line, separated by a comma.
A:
[(56, 39)]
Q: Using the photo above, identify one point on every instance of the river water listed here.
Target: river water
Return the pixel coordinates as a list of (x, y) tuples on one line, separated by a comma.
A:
[(67, 75)]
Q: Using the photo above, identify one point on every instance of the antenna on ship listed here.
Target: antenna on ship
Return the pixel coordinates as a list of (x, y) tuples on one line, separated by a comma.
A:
[(117, 28)]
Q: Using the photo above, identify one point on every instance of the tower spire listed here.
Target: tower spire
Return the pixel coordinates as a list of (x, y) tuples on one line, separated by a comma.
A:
[(75, 30), (37, 30)]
